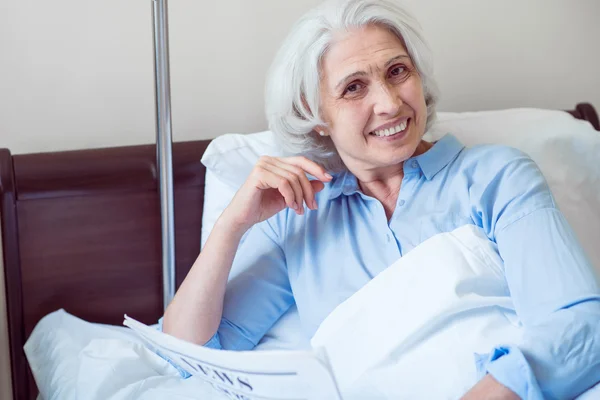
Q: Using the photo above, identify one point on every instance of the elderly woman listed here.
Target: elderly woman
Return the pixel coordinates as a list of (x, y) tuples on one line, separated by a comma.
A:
[(352, 90)]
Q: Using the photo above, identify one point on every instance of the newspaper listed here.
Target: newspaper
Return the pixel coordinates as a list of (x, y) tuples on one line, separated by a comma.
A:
[(247, 375)]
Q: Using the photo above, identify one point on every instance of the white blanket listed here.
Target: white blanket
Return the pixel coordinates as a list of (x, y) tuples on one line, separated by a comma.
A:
[(409, 333), (415, 330)]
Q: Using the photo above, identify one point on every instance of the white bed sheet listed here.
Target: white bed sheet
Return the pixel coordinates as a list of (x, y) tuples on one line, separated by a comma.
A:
[(450, 307), (465, 310), (75, 359)]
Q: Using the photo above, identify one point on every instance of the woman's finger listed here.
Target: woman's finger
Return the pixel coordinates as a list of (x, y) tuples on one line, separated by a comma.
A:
[(309, 166), (264, 179), (307, 189), (292, 181)]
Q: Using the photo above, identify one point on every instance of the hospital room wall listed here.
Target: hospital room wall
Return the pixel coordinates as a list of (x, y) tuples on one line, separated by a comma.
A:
[(79, 74)]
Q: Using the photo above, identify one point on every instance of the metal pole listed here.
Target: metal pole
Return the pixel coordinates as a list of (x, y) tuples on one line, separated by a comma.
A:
[(163, 145)]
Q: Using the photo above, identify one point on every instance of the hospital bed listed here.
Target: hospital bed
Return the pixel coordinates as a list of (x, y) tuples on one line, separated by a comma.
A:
[(81, 231)]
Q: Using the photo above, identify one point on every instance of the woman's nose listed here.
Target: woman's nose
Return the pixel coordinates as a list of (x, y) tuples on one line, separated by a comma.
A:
[(386, 101)]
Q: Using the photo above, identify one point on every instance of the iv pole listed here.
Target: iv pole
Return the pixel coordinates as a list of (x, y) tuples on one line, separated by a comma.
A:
[(164, 145)]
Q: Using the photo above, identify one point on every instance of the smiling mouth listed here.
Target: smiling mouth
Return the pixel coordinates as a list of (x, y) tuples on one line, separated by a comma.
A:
[(395, 130)]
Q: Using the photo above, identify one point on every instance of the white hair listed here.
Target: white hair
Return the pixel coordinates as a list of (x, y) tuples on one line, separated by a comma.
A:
[(292, 95)]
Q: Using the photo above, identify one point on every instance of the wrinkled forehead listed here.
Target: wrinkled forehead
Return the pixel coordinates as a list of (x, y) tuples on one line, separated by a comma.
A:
[(365, 49)]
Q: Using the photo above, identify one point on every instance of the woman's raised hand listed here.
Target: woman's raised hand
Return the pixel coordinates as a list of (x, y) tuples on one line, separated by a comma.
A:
[(273, 184)]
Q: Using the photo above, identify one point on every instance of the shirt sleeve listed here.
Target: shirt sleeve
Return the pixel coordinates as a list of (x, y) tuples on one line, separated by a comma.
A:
[(257, 295), (258, 292), (552, 285)]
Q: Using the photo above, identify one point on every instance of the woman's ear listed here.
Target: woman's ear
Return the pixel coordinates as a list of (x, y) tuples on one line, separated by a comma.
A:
[(321, 130)]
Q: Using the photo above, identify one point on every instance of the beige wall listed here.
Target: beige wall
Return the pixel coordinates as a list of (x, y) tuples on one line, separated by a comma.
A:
[(79, 74)]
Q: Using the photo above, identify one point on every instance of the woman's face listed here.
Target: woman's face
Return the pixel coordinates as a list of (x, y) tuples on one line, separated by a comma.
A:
[(372, 99)]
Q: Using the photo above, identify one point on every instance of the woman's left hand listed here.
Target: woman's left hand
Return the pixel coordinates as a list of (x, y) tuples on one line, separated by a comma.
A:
[(490, 389)]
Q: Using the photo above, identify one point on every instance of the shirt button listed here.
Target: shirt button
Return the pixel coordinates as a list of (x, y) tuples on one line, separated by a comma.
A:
[(402, 202), (415, 164), (388, 238)]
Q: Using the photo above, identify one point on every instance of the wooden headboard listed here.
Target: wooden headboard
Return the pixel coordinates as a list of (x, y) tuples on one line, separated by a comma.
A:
[(81, 231)]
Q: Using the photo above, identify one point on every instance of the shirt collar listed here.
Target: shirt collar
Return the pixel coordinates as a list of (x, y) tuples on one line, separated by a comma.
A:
[(430, 163), (344, 182), (443, 152)]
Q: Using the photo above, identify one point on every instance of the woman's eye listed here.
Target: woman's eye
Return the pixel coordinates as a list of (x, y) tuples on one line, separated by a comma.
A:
[(353, 88), (398, 70)]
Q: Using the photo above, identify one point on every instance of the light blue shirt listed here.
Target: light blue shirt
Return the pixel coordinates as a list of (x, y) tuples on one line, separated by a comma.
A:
[(320, 259)]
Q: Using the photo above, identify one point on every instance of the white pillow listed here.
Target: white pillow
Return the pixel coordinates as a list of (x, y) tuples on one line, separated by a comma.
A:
[(566, 149), (217, 195), (232, 156)]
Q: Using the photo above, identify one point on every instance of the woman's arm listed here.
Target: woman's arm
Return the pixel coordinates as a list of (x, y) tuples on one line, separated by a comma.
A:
[(558, 301), (551, 282), (196, 312)]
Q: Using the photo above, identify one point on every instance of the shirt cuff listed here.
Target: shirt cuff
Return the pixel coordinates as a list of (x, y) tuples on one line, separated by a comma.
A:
[(508, 365), (214, 342)]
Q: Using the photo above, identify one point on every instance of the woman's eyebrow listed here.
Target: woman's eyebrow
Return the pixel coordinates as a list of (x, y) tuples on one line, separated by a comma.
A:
[(348, 77), (397, 58), (363, 73)]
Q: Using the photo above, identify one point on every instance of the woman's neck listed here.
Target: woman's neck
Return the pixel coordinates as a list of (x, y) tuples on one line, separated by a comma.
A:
[(385, 189), (384, 184)]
